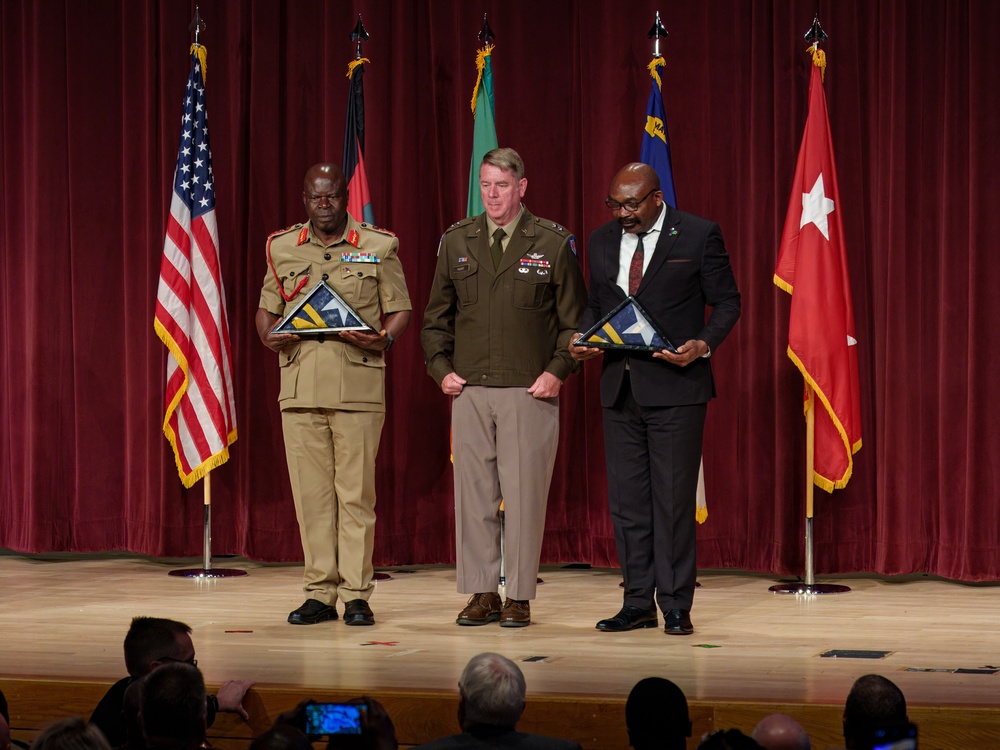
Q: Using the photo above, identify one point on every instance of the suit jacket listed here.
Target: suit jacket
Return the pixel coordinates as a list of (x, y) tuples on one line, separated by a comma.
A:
[(490, 738), (688, 271)]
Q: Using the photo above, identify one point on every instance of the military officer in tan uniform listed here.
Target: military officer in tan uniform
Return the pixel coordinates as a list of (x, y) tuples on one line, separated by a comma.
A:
[(332, 395), (507, 296)]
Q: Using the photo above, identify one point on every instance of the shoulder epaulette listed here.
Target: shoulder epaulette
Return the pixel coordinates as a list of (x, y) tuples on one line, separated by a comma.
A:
[(285, 230), (552, 226), (461, 223), (378, 229)]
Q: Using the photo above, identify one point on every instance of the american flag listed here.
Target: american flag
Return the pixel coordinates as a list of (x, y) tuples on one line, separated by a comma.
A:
[(200, 417)]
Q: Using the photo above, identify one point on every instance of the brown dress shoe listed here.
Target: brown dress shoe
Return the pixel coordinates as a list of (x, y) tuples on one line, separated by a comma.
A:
[(515, 614), (481, 609)]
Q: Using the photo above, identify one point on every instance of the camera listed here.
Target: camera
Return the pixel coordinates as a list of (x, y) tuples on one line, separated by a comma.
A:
[(334, 718)]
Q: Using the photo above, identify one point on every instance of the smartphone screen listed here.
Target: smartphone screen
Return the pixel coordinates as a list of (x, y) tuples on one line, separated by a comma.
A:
[(334, 718)]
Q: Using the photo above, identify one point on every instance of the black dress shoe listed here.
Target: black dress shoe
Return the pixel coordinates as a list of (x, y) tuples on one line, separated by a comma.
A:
[(629, 618), (677, 622), (357, 612), (311, 612)]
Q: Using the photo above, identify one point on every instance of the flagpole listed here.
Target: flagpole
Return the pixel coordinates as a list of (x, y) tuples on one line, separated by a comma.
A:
[(206, 571), (814, 36)]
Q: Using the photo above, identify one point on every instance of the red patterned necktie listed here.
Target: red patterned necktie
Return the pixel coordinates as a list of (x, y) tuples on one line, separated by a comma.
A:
[(635, 269)]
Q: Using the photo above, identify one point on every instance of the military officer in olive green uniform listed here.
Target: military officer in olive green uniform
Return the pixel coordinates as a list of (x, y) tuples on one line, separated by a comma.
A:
[(332, 395), (508, 294)]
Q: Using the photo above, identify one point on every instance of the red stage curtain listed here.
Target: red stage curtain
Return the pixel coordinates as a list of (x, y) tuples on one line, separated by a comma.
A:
[(91, 95)]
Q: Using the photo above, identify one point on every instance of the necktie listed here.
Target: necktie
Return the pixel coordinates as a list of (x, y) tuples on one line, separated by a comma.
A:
[(635, 268), (496, 249)]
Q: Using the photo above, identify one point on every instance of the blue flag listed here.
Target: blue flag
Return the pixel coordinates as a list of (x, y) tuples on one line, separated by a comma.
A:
[(655, 141)]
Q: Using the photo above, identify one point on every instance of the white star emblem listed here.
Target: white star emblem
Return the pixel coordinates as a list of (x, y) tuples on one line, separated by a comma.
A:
[(203, 202), (641, 327), (816, 207)]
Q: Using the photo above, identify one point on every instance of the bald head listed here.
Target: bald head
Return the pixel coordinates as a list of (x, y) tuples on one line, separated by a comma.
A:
[(781, 732), (324, 171), (635, 198), (324, 194)]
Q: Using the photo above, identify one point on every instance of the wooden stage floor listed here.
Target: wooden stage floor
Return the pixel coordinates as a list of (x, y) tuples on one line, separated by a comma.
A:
[(63, 617)]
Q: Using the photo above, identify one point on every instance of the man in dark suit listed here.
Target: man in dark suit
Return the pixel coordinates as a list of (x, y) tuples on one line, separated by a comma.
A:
[(675, 264), (491, 698)]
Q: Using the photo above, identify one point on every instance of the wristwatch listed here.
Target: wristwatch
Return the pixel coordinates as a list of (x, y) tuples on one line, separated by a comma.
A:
[(390, 339)]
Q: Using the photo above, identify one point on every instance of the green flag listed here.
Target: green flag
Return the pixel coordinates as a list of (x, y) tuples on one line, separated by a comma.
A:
[(484, 134)]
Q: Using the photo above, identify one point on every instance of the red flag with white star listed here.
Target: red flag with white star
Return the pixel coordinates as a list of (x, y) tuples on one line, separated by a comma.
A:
[(812, 267)]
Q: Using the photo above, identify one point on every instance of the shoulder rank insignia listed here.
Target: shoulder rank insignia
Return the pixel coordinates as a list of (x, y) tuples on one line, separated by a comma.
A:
[(558, 228), (283, 231), (359, 258), (378, 229)]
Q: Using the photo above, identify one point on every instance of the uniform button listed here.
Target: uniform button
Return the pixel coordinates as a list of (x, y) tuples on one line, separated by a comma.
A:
[(326, 256), (326, 276), (360, 274), (484, 377), (364, 359), (321, 338), (291, 273)]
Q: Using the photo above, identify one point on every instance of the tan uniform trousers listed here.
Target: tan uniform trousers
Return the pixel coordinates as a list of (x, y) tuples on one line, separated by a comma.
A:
[(331, 465), (504, 443)]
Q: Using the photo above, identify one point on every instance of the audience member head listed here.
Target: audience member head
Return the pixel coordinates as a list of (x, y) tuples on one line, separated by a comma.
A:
[(172, 707), (491, 692), (152, 641), (727, 739), (282, 737), (4, 723), (656, 715), (781, 732), (874, 702), (71, 734)]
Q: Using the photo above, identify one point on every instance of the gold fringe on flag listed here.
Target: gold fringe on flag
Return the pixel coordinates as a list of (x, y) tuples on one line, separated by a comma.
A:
[(481, 56), (819, 60), (199, 49), (656, 62), (355, 63)]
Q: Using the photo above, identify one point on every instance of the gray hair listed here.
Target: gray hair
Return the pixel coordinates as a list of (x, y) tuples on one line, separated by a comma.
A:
[(493, 690), (506, 159)]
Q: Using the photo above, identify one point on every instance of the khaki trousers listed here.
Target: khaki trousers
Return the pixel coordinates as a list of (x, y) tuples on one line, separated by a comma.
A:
[(331, 465), (504, 443)]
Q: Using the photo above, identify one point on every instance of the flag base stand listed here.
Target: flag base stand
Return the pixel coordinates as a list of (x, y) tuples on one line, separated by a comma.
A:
[(809, 587), (207, 571), (381, 577)]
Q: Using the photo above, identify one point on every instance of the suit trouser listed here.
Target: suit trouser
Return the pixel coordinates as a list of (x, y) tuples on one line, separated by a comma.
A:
[(331, 465), (504, 442), (653, 455)]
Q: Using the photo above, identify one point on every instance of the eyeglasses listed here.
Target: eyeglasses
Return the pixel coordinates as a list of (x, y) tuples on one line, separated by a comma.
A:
[(630, 206), (192, 661)]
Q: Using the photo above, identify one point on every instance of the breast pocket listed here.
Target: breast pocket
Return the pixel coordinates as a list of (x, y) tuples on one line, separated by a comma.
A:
[(465, 277), (529, 290), (362, 279), (293, 279)]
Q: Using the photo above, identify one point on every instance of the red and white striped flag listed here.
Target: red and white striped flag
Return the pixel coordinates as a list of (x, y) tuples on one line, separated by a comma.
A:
[(200, 417)]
